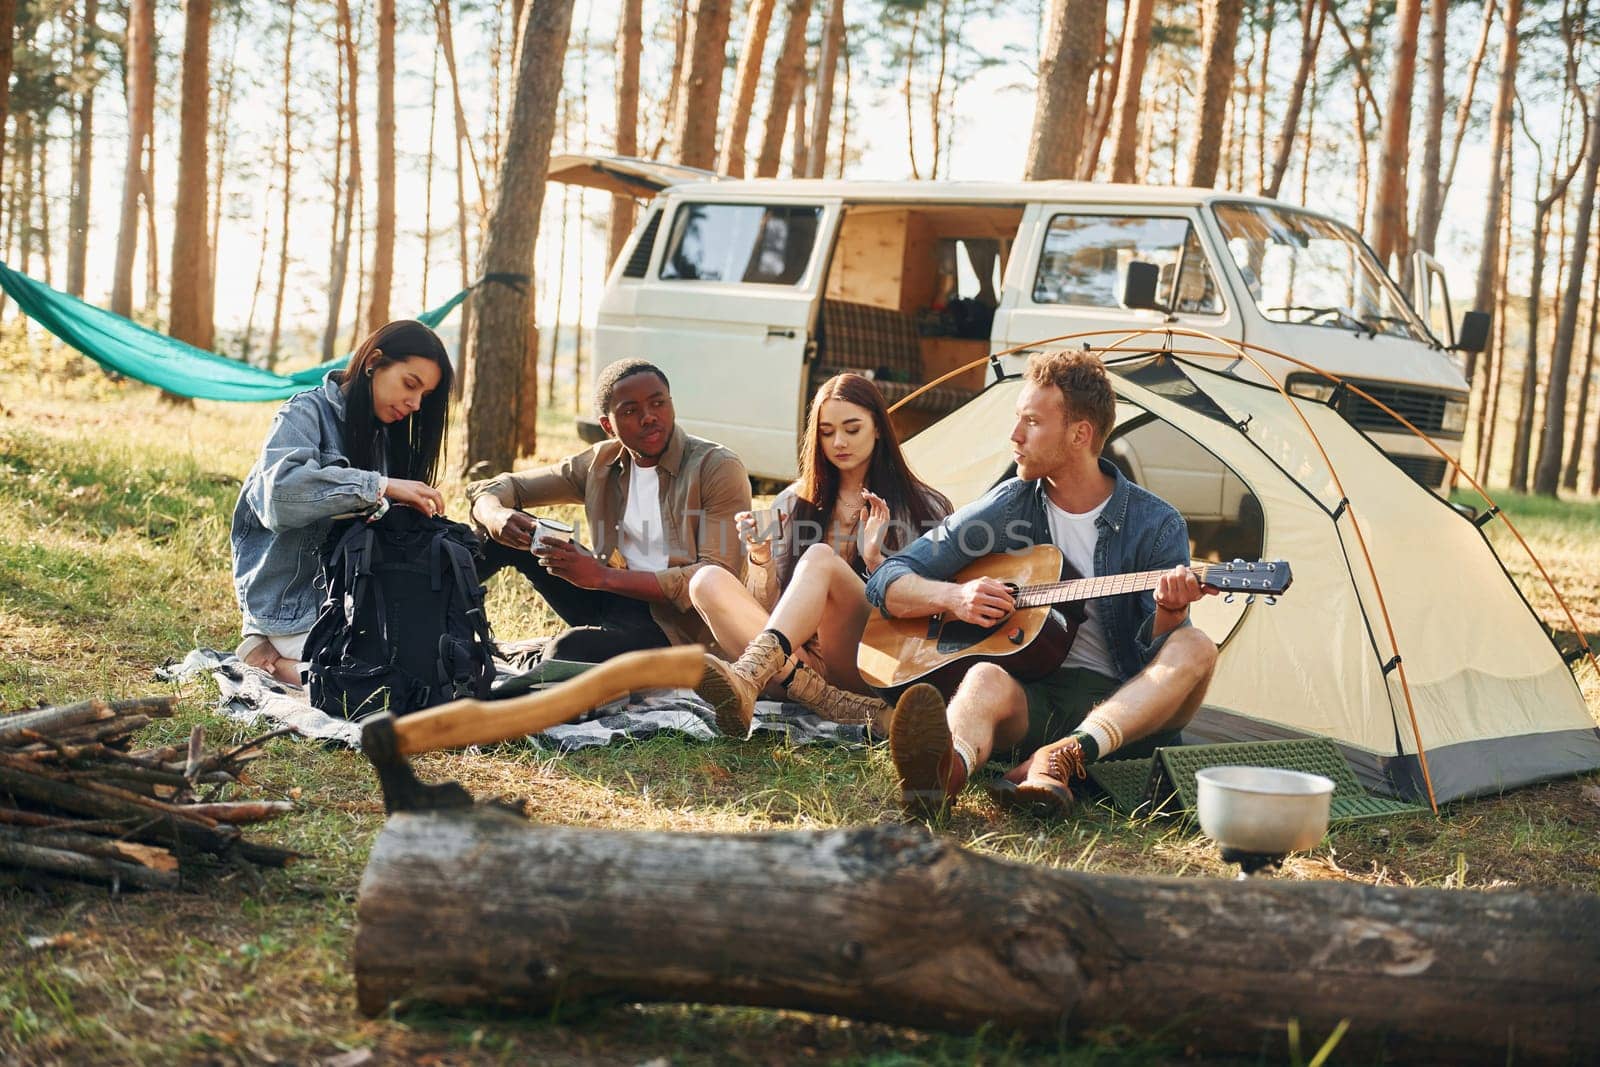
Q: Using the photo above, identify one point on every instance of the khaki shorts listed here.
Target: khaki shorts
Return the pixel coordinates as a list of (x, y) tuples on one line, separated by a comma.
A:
[(1058, 703)]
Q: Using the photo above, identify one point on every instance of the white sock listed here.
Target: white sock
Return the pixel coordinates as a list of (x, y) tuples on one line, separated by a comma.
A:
[(1107, 737)]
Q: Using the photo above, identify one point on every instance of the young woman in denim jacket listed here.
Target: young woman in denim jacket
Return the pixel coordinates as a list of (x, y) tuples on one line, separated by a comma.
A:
[(799, 622), (371, 432)]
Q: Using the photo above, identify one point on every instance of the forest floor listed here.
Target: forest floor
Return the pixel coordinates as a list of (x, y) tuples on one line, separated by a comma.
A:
[(114, 514)]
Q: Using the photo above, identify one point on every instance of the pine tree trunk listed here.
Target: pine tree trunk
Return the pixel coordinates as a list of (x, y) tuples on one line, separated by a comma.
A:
[(1073, 45), (799, 151), (630, 34), (1389, 209), (669, 113), (221, 125), (907, 93), (247, 341), (1429, 205), (1500, 133), (78, 219), (757, 26), (822, 104), (787, 73), (1580, 427), (1548, 472), (141, 40), (152, 261), (274, 339), (339, 258), (8, 29), (1530, 366), (701, 96), (1464, 107), (1489, 405), (1130, 86), (1313, 16), (383, 244), (504, 324), (1216, 85), (464, 153), (427, 182), (190, 257), (1261, 97)]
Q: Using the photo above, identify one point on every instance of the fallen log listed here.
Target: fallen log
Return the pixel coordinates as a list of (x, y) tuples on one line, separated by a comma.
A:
[(52, 720), (890, 923), (77, 865)]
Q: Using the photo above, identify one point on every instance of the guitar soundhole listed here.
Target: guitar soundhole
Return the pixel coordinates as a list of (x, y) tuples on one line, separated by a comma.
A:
[(957, 635)]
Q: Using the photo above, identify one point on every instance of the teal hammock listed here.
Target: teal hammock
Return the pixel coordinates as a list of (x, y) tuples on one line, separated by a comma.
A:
[(124, 346)]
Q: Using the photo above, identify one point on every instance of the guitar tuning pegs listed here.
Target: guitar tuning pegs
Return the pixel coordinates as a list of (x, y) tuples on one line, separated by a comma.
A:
[(1271, 600), (1228, 599)]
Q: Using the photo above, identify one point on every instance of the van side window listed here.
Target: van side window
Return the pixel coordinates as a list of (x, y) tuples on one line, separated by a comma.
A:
[(1086, 256), (639, 260), (761, 244)]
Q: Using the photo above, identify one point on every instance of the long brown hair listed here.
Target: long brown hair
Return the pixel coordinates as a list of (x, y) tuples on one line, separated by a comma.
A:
[(413, 447), (914, 506)]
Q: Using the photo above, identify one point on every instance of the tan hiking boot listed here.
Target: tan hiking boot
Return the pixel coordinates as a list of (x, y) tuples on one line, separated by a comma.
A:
[(925, 752), (732, 688), (839, 705)]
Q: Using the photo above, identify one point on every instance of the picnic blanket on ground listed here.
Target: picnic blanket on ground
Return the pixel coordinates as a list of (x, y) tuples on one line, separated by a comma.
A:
[(248, 694)]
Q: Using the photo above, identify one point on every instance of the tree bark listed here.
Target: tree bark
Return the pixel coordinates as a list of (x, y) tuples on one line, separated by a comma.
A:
[(630, 35), (701, 95), (1553, 441), (1313, 16), (787, 73), (220, 127), (190, 282), (1500, 132), (891, 923), (1216, 84), (1072, 47), (1389, 208), (78, 218), (141, 43), (1130, 84), (383, 242), (757, 27), (8, 29), (339, 253), (822, 103), (1569, 477), (276, 335), (503, 326), (1429, 205)]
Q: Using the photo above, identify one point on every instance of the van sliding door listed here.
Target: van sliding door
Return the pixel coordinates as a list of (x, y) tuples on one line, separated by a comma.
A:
[(726, 309)]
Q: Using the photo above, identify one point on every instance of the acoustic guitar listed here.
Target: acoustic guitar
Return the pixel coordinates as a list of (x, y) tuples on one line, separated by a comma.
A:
[(1032, 641)]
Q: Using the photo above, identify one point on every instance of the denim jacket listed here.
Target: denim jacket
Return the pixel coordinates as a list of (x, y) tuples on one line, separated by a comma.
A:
[(1138, 531), (286, 506)]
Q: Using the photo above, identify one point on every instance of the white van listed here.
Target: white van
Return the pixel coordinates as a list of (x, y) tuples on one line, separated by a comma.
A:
[(749, 293)]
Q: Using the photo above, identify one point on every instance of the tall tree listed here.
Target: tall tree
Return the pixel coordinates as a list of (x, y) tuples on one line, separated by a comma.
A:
[(1432, 128), (757, 26), (1553, 440), (503, 328), (88, 78), (1216, 85), (191, 258), (8, 29), (787, 74), (344, 216), (1389, 209), (701, 95), (220, 128), (1125, 115), (1500, 133), (1313, 15), (383, 243), (1073, 45), (274, 339), (827, 71), (630, 35), (141, 44), (1580, 423)]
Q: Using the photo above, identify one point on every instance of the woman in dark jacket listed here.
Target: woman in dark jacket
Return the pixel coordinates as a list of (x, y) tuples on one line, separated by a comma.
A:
[(371, 433)]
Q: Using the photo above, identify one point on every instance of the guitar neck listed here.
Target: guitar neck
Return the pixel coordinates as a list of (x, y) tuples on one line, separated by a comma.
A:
[(1038, 596)]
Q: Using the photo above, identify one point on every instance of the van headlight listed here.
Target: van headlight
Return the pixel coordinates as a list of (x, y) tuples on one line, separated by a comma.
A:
[(1454, 419), (1309, 388)]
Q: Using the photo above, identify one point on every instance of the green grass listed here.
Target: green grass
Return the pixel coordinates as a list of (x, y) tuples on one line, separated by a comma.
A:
[(114, 514)]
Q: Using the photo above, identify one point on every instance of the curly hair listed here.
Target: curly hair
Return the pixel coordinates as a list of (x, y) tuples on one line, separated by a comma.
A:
[(1084, 386), (605, 383)]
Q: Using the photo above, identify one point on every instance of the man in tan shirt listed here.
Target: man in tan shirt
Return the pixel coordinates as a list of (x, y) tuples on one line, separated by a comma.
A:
[(660, 506)]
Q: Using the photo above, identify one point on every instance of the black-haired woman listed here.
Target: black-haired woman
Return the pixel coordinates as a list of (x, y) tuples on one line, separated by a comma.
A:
[(372, 432), (798, 624)]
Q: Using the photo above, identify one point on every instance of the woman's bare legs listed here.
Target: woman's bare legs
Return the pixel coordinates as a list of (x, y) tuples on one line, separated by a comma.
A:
[(732, 612), (828, 600)]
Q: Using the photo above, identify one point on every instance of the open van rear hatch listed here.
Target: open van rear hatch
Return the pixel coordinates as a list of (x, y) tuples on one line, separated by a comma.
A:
[(623, 175)]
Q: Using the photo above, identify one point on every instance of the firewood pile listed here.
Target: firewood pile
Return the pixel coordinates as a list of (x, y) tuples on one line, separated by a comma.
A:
[(78, 801)]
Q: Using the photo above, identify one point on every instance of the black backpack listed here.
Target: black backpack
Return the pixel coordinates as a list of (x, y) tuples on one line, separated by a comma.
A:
[(402, 627)]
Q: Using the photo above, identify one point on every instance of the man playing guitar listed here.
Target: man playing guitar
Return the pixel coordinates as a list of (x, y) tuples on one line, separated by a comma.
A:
[(1137, 670)]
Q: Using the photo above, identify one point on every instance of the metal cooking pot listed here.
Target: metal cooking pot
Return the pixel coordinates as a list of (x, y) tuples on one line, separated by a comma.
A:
[(1263, 809)]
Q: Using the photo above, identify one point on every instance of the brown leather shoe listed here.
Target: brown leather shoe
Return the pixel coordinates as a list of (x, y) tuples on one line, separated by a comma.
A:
[(924, 753), (1046, 792)]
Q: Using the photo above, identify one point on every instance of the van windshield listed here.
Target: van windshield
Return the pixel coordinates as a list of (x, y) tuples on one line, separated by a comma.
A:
[(759, 243), (1312, 271)]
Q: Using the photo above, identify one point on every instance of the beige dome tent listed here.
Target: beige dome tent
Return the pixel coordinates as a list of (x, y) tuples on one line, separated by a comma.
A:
[(1491, 703)]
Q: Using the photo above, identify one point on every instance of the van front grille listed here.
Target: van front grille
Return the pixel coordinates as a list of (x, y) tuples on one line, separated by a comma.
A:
[(1428, 470), (1423, 408)]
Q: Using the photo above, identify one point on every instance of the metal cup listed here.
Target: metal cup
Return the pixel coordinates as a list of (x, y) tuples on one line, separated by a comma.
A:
[(768, 524), (549, 530)]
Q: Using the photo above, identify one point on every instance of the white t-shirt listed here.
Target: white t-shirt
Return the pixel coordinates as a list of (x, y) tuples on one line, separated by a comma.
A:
[(1075, 535), (644, 538)]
